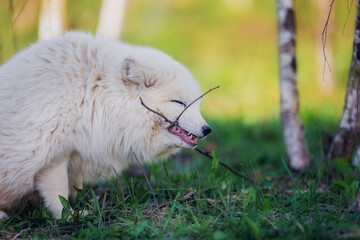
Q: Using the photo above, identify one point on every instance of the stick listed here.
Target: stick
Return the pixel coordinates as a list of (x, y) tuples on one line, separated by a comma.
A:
[(324, 37), (147, 180), (118, 178), (175, 123), (151, 110), (234, 171), (195, 101)]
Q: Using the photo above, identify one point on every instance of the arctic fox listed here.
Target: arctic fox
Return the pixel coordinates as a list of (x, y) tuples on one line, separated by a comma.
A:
[(73, 108)]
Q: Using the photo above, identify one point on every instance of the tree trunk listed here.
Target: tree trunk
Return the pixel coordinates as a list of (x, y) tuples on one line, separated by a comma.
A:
[(293, 130), (345, 140), (111, 18), (356, 159), (52, 18)]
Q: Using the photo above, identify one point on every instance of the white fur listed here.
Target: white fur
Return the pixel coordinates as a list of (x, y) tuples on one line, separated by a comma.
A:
[(70, 110)]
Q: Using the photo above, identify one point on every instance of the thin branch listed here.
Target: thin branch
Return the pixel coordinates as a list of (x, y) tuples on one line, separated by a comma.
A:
[(195, 101), (324, 37), (348, 15), (11, 9), (175, 123), (234, 171), (151, 110), (19, 234), (17, 16), (118, 178), (147, 180)]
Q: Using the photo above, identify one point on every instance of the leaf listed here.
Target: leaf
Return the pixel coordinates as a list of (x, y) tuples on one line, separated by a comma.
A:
[(65, 203), (189, 193), (340, 183), (252, 226), (66, 210), (215, 161)]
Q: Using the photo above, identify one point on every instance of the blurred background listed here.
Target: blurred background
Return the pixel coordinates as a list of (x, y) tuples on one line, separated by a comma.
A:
[(231, 43)]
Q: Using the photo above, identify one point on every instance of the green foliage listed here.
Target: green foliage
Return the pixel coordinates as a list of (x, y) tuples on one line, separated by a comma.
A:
[(233, 44)]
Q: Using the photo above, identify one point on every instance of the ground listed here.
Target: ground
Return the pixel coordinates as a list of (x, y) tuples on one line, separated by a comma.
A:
[(199, 199)]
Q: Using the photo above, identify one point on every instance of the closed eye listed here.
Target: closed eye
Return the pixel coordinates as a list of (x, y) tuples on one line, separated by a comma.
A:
[(179, 102)]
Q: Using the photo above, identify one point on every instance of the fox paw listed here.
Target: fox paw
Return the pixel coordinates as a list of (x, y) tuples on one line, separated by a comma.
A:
[(3, 216)]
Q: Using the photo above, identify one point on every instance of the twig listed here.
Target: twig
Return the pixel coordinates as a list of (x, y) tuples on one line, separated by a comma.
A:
[(147, 180), (324, 37), (151, 110), (348, 15), (17, 16), (175, 123), (118, 178), (13, 40), (195, 101), (19, 234), (234, 171)]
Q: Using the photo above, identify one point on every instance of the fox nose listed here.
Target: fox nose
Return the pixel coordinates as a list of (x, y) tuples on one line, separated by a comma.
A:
[(206, 130)]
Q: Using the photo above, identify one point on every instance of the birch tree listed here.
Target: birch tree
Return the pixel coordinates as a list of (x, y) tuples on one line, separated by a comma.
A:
[(293, 130), (52, 18), (344, 142), (111, 18)]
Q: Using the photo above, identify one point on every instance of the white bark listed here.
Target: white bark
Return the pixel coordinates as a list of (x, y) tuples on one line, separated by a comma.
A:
[(356, 159), (294, 134), (52, 19), (111, 18), (345, 140)]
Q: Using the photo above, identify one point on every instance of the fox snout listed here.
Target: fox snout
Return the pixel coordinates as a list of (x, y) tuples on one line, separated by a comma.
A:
[(206, 130)]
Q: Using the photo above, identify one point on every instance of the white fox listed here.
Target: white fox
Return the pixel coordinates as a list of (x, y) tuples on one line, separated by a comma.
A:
[(71, 111)]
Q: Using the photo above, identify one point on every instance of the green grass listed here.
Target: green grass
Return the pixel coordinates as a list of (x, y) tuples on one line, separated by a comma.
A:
[(199, 200), (232, 44)]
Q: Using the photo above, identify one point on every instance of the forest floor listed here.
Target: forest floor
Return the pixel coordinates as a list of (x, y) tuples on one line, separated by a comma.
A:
[(198, 199)]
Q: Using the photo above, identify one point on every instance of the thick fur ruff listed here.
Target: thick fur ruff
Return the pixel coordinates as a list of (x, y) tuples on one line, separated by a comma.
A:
[(70, 110)]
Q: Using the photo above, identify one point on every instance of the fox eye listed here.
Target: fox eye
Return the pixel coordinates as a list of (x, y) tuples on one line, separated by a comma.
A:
[(179, 102)]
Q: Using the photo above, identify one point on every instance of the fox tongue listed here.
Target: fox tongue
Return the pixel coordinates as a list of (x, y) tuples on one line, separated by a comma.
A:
[(184, 135)]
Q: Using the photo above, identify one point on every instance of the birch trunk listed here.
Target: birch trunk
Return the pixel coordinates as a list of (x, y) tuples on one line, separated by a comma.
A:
[(345, 140), (111, 18), (52, 18), (293, 130), (356, 159)]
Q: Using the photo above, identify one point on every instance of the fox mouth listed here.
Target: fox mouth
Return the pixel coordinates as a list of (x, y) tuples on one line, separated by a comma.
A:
[(187, 137)]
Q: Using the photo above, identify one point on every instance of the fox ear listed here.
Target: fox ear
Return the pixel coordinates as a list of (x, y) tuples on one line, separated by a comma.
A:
[(135, 73)]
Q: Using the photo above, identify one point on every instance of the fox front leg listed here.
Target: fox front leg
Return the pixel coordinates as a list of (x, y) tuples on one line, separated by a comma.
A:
[(52, 182)]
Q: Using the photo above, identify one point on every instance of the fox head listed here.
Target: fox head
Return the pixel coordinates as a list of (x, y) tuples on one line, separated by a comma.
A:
[(164, 88)]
